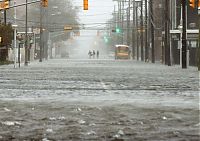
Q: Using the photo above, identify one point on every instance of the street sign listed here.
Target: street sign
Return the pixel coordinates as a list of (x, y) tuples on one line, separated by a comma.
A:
[(176, 36), (36, 30), (192, 36), (21, 36)]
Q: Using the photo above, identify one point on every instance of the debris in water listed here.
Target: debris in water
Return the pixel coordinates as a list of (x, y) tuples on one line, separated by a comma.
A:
[(49, 130), (120, 132), (61, 118), (91, 133), (164, 118), (6, 109), (92, 124), (52, 118), (176, 133), (116, 136), (78, 109), (11, 123), (81, 122), (198, 124), (45, 139)]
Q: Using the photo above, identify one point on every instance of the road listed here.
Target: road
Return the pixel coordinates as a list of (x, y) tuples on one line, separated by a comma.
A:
[(98, 100)]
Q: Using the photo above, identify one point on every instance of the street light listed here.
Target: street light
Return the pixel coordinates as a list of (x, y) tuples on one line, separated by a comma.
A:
[(199, 37), (56, 12), (15, 34), (15, 43), (26, 37)]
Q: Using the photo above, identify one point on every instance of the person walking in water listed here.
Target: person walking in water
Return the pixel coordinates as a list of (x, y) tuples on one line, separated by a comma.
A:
[(93, 54), (97, 54), (90, 54)]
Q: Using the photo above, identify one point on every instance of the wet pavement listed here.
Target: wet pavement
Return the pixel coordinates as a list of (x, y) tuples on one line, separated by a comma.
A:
[(102, 100)]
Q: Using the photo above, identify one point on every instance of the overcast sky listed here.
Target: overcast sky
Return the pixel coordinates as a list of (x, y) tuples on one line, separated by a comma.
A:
[(99, 11)]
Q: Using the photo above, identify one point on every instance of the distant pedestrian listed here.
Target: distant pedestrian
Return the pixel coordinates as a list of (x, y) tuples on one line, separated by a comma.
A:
[(90, 54), (97, 54), (93, 54)]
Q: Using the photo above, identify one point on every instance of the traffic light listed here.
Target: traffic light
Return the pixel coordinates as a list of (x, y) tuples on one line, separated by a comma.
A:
[(85, 4), (44, 3), (192, 3), (117, 30), (105, 39), (6, 4)]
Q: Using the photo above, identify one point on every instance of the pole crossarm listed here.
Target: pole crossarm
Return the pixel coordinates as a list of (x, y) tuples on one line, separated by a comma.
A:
[(23, 4)]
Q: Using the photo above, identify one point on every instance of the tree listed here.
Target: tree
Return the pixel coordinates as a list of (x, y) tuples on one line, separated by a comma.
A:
[(6, 33)]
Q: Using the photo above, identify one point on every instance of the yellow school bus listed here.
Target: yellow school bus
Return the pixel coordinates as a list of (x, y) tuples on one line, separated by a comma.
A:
[(122, 52)]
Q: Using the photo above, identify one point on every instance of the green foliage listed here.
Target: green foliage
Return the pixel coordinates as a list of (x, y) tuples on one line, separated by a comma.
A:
[(57, 15), (5, 62), (6, 32)]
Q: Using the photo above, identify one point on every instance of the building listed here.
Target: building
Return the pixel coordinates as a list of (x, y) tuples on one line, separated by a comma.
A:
[(175, 24)]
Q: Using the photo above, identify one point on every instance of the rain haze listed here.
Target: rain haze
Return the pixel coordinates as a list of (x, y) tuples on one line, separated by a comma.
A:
[(99, 70), (93, 19)]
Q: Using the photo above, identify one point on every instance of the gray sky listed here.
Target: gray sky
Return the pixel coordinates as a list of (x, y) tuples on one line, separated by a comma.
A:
[(99, 11)]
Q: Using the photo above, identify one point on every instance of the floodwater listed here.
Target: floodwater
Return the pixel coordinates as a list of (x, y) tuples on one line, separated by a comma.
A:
[(98, 100)]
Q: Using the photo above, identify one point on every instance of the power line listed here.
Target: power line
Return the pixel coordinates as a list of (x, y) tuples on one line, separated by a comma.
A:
[(97, 14)]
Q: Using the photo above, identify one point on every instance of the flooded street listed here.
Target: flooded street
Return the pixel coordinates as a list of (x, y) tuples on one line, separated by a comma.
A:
[(99, 70), (108, 100)]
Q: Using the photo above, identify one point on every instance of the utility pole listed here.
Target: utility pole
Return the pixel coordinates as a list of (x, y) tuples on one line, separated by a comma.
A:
[(184, 40), (152, 32), (167, 45), (115, 21), (118, 20), (137, 36), (122, 21), (141, 32), (5, 22), (134, 30), (46, 34), (146, 34), (15, 35), (163, 30), (128, 22), (199, 38), (41, 32), (26, 40)]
